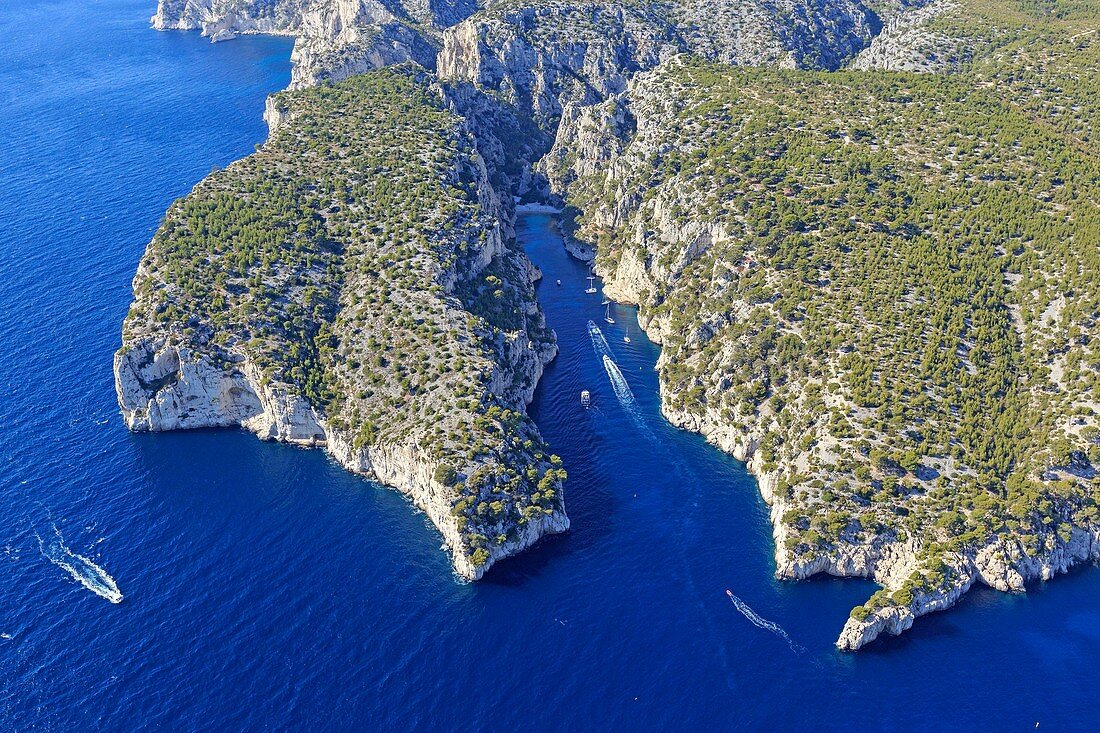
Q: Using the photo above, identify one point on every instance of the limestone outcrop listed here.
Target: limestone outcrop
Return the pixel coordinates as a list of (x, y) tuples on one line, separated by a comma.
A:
[(670, 182), (300, 296)]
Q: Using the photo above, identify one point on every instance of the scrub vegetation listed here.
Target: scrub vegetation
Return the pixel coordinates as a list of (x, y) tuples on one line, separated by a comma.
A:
[(359, 258), (888, 280)]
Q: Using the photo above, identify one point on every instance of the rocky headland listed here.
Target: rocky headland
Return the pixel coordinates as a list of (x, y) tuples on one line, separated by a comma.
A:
[(875, 288), (905, 424), (355, 285)]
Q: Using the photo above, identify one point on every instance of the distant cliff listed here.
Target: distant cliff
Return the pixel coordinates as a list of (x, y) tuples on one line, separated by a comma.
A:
[(537, 52), (335, 38)]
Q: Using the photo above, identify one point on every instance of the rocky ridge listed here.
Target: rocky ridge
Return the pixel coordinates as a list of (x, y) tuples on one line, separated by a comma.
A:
[(360, 292), (909, 43), (689, 225), (537, 55), (545, 56), (334, 38)]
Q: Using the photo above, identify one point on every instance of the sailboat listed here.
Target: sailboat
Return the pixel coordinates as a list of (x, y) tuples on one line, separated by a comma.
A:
[(591, 285), (607, 313)]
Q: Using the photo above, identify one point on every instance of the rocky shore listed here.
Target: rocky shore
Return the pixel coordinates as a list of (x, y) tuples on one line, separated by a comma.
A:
[(654, 239), (453, 437), (742, 265)]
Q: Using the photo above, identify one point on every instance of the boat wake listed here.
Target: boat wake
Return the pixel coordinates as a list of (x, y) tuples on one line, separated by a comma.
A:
[(618, 381), (762, 623), (603, 350), (83, 570), (599, 343)]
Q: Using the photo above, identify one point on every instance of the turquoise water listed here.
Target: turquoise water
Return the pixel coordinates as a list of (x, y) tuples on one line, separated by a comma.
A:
[(266, 589)]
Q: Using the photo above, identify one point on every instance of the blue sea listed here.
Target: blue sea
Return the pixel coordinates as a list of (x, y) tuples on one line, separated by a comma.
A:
[(266, 589)]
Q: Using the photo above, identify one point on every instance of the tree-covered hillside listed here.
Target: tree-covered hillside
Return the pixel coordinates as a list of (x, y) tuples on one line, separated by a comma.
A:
[(886, 286), (361, 259)]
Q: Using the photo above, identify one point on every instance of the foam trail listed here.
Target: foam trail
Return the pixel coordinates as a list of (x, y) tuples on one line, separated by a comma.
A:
[(599, 343), (762, 623), (622, 389), (83, 570), (618, 381)]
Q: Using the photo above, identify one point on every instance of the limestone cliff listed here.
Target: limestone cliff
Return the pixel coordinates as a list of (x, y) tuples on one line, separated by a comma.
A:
[(909, 42), (545, 56), (334, 38), (355, 285), (539, 55), (788, 310)]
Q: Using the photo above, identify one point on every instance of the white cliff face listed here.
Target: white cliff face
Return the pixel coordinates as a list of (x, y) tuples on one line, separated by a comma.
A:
[(599, 130), (163, 387), (542, 58), (334, 38), (410, 471), (906, 43), (659, 245), (319, 59), (186, 370), (1002, 565), (224, 19)]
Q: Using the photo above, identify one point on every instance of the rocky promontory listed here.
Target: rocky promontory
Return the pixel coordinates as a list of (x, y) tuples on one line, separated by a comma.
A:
[(906, 422), (355, 285)]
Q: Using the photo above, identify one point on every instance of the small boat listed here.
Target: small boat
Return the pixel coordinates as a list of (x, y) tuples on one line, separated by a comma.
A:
[(586, 399), (626, 339), (607, 313), (559, 283), (591, 285)]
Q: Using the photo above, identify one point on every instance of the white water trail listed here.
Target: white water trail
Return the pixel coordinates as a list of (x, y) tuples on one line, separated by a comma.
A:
[(599, 343), (626, 396), (83, 570), (762, 623), (618, 381)]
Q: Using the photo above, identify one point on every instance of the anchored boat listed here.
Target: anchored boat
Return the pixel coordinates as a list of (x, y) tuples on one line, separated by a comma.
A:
[(586, 399)]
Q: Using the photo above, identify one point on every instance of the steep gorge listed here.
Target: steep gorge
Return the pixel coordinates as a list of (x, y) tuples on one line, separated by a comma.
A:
[(751, 215), (860, 283)]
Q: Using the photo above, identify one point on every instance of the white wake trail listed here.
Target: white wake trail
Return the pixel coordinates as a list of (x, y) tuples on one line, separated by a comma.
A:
[(618, 381), (83, 570), (599, 343), (623, 392), (762, 623), (603, 350)]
